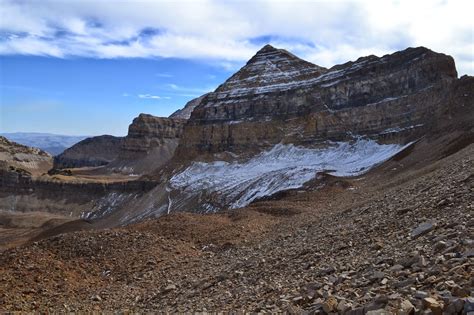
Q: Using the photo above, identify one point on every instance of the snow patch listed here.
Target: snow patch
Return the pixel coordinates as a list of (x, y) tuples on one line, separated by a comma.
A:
[(281, 168)]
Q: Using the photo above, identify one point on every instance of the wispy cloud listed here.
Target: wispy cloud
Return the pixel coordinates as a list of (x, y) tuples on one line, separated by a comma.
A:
[(189, 91), (325, 32), (153, 97)]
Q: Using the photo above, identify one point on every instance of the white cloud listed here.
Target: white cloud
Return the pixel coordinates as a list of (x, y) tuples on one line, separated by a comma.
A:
[(188, 91), (225, 32), (149, 96)]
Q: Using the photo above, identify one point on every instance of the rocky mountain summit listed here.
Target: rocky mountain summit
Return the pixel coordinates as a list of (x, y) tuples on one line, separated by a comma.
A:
[(278, 123), (272, 100)]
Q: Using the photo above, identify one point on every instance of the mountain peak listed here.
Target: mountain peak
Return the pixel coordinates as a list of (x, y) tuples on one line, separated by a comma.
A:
[(268, 52), (270, 66), (266, 49)]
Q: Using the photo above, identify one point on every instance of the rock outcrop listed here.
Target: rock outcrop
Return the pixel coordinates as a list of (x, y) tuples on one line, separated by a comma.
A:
[(150, 143), (20, 159), (277, 97), (94, 151)]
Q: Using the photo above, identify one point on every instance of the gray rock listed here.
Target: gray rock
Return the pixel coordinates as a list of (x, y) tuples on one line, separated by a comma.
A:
[(421, 295), (170, 287), (455, 306), (469, 253), (422, 229), (469, 304)]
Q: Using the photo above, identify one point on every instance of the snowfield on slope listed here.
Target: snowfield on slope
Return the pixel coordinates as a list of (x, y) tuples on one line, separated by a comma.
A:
[(281, 168)]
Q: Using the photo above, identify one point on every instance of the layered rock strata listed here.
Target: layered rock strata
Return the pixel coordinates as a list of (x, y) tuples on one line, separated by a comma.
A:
[(150, 143), (277, 97)]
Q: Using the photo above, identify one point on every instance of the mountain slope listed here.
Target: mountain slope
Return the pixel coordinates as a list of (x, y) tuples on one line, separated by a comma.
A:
[(150, 143), (332, 249), (51, 143), (95, 151), (15, 157)]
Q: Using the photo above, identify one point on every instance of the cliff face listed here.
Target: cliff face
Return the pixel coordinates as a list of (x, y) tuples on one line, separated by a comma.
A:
[(277, 97), (147, 132), (150, 143), (94, 151)]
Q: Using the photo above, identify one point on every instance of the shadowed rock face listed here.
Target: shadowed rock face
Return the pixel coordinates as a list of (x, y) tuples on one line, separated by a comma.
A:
[(277, 97), (94, 151)]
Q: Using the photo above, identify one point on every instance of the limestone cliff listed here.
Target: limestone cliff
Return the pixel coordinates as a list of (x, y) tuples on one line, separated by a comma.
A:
[(150, 143)]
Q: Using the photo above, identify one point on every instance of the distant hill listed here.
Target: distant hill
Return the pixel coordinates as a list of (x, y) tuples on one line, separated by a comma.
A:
[(51, 143)]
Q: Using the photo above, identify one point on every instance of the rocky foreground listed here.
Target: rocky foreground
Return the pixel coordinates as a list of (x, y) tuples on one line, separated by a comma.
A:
[(398, 240)]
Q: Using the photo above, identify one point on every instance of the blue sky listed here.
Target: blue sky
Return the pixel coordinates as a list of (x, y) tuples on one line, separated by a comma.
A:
[(89, 96), (88, 67)]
